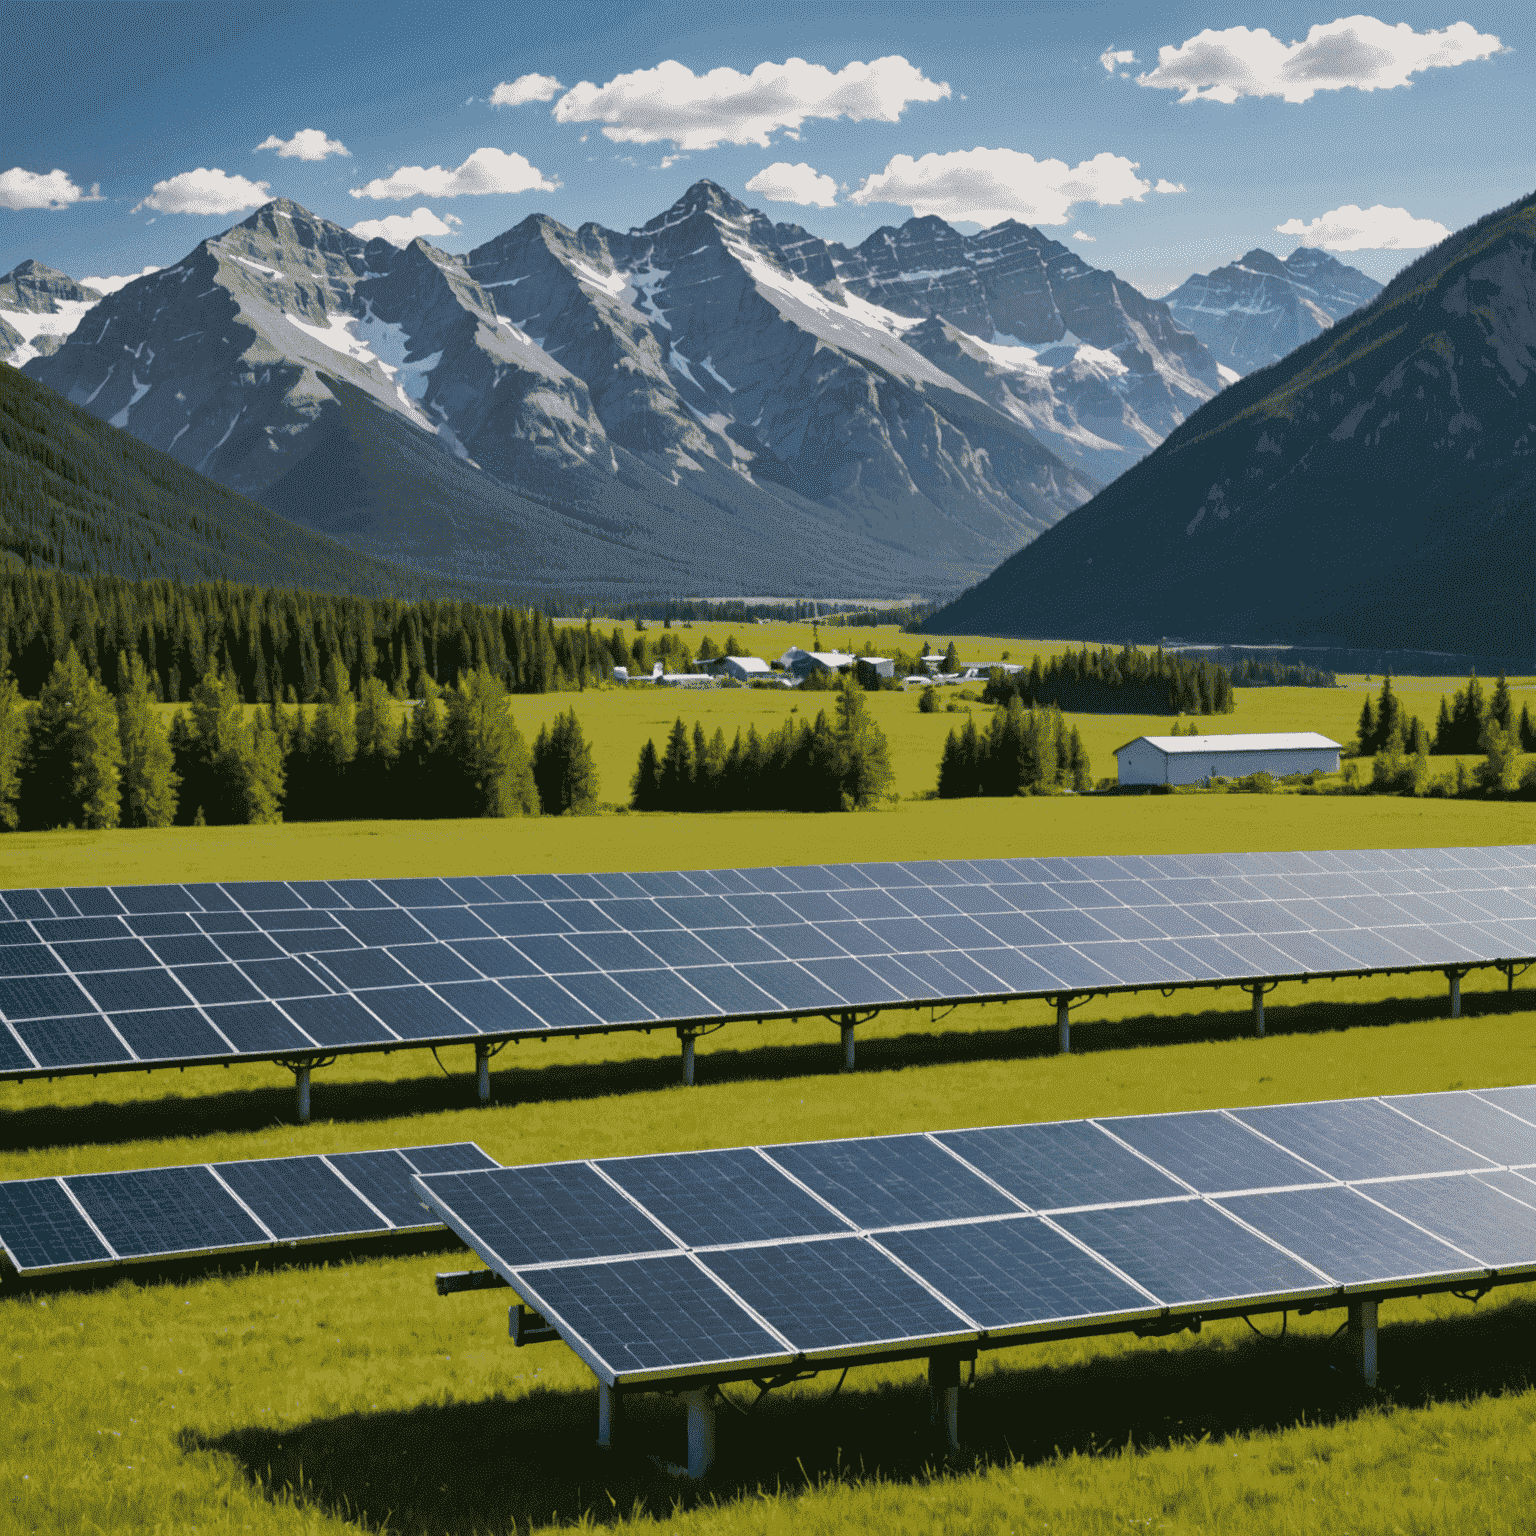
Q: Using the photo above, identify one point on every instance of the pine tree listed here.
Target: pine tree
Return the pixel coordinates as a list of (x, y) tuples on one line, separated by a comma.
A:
[(492, 773), (951, 662), (149, 780), (1501, 707), (863, 754), (73, 767), (13, 742), (645, 787), (1527, 729), (563, 772), (676, 780), (1365, 735)]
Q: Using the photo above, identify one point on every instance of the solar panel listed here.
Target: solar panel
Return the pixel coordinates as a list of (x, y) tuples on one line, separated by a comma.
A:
[(112, 977), (876, 1247), (97, 1219)]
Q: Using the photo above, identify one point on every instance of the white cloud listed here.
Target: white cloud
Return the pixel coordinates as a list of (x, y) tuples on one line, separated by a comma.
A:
[(1087, 239), (1112, 58), (1379, 228), (306, 144), (1354, 53), (205, 191), (112, 284), (986, 186), (487, 170), (27, 189), (514, 93), (725, 106), (399, 229), (1165, 186), (782, 182)]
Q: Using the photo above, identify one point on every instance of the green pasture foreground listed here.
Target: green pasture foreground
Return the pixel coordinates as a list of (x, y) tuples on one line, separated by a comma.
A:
[(349, 1396), (1016, 828), (340, 1393)]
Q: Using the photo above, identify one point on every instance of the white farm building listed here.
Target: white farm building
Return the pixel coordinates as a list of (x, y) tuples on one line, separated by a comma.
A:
[(1193, 759)]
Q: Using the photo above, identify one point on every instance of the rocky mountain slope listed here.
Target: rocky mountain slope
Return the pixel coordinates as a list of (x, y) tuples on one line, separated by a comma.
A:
[(1088, 363), (532, 417), (709, 403), (78, 495), (1377, 487), (39, 307), (1254, 311)]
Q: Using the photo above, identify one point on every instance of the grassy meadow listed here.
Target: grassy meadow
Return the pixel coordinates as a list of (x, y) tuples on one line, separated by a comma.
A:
[(340, 1393)]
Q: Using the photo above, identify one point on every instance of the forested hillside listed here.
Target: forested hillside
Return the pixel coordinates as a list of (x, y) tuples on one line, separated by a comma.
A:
[(279, 644), (80, 495)]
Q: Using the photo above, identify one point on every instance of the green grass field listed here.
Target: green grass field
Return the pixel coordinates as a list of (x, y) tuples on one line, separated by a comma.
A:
[(341, 1393)]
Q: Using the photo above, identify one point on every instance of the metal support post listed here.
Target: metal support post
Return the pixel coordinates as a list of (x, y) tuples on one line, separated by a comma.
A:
[(846, 1025), (608, 1401), (686, 1036), (1258, 1010), (1362, 1338), (1064, 1023), (701, 1431), (483, 1071), (944, 1396), (1455, 980), (301, 1085)]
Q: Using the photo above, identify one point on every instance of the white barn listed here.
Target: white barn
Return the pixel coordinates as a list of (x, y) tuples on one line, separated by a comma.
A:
[(1192, 759), (745, 669)]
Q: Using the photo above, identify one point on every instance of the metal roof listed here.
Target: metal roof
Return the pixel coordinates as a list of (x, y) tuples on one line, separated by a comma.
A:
[(1263, 741)]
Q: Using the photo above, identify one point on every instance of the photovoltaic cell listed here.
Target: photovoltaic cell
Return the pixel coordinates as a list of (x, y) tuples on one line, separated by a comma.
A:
[(648, 1314), (891, 1181), (1358, 1139), (1497, 1228), (42, 1228), (1345, 1235), (1010, 1273), (298, 1197), (1059, 1165), (165, 1211), (836, 1293), (1474, 1123), (1188, 1252), (545, 1214), (733, 1196), (1212, 1152)]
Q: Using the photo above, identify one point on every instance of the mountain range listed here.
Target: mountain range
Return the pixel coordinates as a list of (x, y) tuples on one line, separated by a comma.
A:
[(1258, 308), (711, 402), (1376, 487)]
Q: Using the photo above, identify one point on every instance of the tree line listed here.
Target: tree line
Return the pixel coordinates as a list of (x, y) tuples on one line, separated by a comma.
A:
[(1123, 682), (82, 758), (831, 765), (279, 645), (1021, 750)]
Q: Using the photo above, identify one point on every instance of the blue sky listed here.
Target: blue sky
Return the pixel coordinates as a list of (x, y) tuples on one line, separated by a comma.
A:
[(977, 111)]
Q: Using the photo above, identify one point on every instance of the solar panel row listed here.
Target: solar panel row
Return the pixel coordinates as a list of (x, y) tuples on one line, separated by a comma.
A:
[(87, 1221), (112, 977), (730, 1262)]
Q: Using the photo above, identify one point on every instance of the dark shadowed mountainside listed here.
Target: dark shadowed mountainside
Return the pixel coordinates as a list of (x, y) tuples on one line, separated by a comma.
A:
[(79, 495), (1375, 488)]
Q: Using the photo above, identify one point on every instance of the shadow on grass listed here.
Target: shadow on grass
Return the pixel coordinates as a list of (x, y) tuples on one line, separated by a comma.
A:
[(549, 1080), (470, 1467)]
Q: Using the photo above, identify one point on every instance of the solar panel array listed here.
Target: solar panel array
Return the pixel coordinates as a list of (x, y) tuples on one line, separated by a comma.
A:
[(92, 1220), (113, 977), (700, 1264)]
